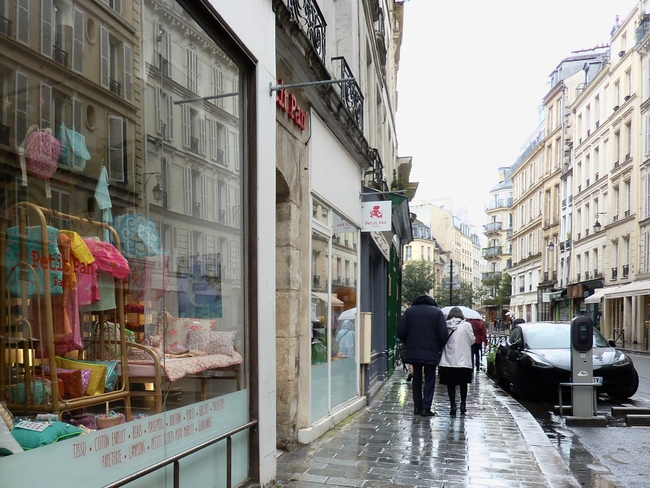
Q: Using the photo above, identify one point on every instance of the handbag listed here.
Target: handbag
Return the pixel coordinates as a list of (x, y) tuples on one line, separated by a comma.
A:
[(39, 155)]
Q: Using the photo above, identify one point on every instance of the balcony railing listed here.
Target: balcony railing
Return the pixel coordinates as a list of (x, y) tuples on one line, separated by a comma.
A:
[(377, 170), (308, 15), (502, 203), (545, 276), (627, 213), (492, 251), (114, 86), (626, 270), (60, 56), (493, 227), (350, 92), (5, 26), (614, 274)]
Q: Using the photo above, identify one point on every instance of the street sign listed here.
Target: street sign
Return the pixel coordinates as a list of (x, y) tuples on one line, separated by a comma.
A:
[(455, 284)]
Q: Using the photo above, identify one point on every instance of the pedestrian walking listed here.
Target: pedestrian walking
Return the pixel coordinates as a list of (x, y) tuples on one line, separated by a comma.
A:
[(456, 359), (480, 332), (423, 330)]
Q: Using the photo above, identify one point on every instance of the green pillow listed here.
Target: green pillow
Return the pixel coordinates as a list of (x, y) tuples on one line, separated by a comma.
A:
[(56, 431)]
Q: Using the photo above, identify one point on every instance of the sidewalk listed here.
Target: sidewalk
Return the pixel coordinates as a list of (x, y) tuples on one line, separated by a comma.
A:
[(496, 444)]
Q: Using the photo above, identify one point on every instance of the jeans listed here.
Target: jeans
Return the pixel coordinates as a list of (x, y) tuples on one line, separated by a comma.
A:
[(476, 355)]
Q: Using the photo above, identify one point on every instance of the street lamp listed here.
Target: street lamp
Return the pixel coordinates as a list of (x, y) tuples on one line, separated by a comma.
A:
[(597, 225), (157, 190)]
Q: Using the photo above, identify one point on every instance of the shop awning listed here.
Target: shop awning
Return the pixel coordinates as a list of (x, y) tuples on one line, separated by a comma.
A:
[(634, 289), (323, 296), (599, 293)]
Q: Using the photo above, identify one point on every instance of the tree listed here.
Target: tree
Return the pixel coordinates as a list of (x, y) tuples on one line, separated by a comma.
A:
[(418, 277)]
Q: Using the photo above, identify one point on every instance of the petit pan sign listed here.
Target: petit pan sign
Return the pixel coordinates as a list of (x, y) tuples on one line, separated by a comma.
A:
[(376, 216)]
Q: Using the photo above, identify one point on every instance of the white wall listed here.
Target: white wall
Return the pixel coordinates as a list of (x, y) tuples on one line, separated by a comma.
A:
[(334, 175)]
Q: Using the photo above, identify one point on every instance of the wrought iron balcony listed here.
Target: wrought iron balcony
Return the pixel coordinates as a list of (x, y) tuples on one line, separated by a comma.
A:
[(492, 251), (114, 86), (5, 26), (614, 274), (502, 203), (490, 275), (626, 270), (60, 56), (493, 227), (350, 92), (308, 15), (377, 169)]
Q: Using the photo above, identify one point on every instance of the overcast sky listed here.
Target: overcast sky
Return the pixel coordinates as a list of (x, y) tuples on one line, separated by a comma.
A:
[(471, 77)]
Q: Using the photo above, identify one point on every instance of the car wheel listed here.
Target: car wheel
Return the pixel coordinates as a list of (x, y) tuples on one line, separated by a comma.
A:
[(522, 386), (498, 375), (625, 394)]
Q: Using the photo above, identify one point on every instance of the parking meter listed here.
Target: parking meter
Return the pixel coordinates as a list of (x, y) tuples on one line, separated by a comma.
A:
[(582, 366)]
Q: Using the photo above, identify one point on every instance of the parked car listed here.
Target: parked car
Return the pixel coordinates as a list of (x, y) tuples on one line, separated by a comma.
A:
[(536, 358)]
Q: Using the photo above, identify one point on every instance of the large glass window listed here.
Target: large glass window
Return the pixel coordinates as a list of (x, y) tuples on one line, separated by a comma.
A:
[(121, 240), (334, 312)]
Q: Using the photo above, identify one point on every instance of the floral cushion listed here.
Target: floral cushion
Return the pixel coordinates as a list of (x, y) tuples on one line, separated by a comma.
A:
[(211, 342), (176, 330)]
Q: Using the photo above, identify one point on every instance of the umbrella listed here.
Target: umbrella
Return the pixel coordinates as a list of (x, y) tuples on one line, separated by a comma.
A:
[(350, 314), (468, 313)]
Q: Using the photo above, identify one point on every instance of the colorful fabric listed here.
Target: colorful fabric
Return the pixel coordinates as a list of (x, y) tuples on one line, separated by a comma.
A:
[(87, 284), (108, 258), (139, 236), (177, 368), (74, 152), (42, 152), (36, 259), (79, 248)]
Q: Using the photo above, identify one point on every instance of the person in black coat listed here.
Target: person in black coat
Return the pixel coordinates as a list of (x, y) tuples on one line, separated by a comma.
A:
[(423, 330)]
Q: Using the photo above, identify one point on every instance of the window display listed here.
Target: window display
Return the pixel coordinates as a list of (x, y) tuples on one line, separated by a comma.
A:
[(121, 236)]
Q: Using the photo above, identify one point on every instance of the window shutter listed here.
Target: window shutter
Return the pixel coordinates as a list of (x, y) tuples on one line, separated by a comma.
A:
[(158, 95), (226, 149), (77, 114), (157, 42), (61, 203), (233, 205), (46, 106), (47, 11), (128, 77), (205, 189), (22, 21), (234, 259), (215, 200), (170, 117), (78, 42), (168, 52), (104, 48), (187, 184), (202, 144), (187, 133), (116, 148), (235, 99), (214, 147), (236, 155), (21, 107)]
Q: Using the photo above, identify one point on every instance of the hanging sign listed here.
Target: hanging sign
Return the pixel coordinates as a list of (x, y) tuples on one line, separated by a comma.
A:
[(376, 216)]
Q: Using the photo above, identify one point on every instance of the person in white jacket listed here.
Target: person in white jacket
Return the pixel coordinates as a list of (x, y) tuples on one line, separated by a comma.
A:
[(455, 367)]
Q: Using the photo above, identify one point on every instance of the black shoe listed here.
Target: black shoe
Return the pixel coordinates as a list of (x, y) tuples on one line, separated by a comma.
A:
[(463, 409), (452, 412), (417, 411), (428, 413), (409, 377)]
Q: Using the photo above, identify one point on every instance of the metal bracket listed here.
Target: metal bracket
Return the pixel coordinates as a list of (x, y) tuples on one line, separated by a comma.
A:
[(309, 83)]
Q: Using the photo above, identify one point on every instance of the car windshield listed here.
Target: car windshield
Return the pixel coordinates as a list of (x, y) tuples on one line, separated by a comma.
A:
[(556, 337)]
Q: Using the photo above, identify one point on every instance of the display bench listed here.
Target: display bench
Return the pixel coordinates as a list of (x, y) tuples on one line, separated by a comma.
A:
[(42, 344)]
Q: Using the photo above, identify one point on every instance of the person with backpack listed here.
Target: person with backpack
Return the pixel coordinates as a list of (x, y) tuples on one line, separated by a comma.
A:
[(480, 333)]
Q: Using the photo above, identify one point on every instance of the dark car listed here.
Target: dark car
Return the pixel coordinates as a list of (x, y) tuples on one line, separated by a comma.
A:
[(536, 358)]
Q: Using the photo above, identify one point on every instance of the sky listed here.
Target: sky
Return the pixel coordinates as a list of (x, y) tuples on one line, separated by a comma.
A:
[(472, 75)]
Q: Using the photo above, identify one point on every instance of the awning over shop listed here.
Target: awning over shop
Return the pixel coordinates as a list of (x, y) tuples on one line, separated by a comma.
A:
[(599, 293), (323, 296), (634, 289)]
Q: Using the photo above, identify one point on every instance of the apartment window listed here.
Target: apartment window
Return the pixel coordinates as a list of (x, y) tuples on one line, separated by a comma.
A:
[(163, 48), (645, 182), (164, 114), (116, 65), (192, 67), (408, 256), (194, 138), (617, 203), (646, 134), (597, 110), (628, 198), (617, 146), (115, 5), (617, 94), (628, 130), (645, 251), (628, 81), (117, 150)]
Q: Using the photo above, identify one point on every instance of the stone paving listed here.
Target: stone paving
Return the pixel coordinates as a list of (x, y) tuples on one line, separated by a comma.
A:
[(496, 444)]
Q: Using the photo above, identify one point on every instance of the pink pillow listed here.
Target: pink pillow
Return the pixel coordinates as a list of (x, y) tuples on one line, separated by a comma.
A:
[(176, 330)]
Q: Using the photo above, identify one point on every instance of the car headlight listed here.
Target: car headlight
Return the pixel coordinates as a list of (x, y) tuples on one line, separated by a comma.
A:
[(539, 363), (622, 360)]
